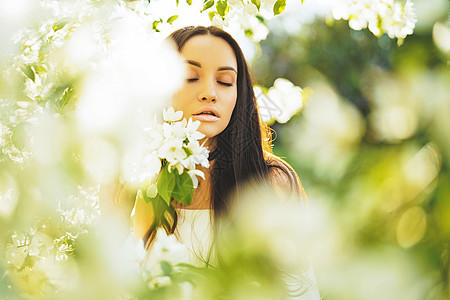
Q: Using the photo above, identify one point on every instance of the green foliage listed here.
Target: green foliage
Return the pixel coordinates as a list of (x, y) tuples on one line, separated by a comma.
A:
[(261, 19), (208, 4), (222, 7), (155, 24), (211, 15), (184, 188), (257, 3), (166, 183), (173, 185), (373, 193), (171, 19), (29, 72), (279, 7), (166, 268), (60, 23)]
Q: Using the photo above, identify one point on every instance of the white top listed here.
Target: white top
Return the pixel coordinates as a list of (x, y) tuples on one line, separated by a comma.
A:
[(194, 231)]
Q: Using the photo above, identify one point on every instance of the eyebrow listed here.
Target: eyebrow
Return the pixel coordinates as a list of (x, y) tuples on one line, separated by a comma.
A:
[(197, 64)]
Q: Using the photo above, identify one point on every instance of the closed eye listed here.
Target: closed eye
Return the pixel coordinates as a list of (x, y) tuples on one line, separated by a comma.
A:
[(191, 79), (225, 83)]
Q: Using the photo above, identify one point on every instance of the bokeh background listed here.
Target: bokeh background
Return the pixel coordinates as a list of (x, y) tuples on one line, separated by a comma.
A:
[(370, 142)]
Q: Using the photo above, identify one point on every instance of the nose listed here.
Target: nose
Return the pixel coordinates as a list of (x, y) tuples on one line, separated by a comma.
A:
[(207, 92)]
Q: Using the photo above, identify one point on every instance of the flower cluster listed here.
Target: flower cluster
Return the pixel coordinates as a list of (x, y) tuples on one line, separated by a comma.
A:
[(160, 267), (174, 145), (39, 259), (181, 147), (247, 15), (16, 118), (280, 102), (396, 18)]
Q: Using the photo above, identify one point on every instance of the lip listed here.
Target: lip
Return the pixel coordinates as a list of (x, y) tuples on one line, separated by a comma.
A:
[(205, 117), (209, 118)]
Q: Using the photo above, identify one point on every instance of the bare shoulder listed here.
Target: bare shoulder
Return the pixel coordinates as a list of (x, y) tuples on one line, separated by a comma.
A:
[(283, 177)]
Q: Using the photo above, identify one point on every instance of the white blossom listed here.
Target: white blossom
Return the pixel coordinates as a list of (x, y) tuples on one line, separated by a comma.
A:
[(282, 101), (175, 141), (395, 18), (194, 174), (165, 249), (133, 253), (170, 115), (192, 132)]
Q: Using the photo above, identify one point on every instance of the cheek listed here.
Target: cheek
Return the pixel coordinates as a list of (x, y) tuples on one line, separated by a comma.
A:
[(179, 100), (231, 103)]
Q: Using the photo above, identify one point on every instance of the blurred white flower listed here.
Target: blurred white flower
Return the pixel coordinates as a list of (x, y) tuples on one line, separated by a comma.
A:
[(100, 159), (139, 167), (396, 18), (160, 281), (133, 253), (400, 20), (441, 37), (17, 252), (152, 190), (218, 21), (328, 133), (40, 245), (165, 249), (63, 252), (242, 17), (282, 101), (81, 210), (9, 193)]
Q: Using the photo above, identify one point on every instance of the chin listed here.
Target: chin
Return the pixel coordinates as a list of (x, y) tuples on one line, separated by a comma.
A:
[(208, 131)]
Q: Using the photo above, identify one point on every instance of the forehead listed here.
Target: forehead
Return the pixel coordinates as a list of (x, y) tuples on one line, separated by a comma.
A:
[(209, 51)]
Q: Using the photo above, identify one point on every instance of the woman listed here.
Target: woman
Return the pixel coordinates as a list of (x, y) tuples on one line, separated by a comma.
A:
[(218, 92)]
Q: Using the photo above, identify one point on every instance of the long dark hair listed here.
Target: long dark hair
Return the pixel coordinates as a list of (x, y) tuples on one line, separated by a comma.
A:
[(240, 155)]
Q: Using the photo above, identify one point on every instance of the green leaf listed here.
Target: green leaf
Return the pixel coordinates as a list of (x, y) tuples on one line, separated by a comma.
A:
[(189, 2), (66, 96), (248, 32), (155, 25), (261, 19), (211, 15), (257, 3), (60, 23), (188, 151), (208, 4), (184, 188), (166, 267), (29, 72), (166, 183), (279, 7), (221, 7), (171, 19)]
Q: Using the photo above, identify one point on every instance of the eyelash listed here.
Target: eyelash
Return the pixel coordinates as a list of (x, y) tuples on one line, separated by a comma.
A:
[(220, 82)]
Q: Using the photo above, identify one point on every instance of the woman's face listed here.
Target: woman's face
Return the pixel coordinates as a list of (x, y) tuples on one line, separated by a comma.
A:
[(210, 91)]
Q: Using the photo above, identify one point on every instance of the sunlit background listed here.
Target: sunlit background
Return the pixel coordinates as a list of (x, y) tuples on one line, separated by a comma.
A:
[(359, 97)]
